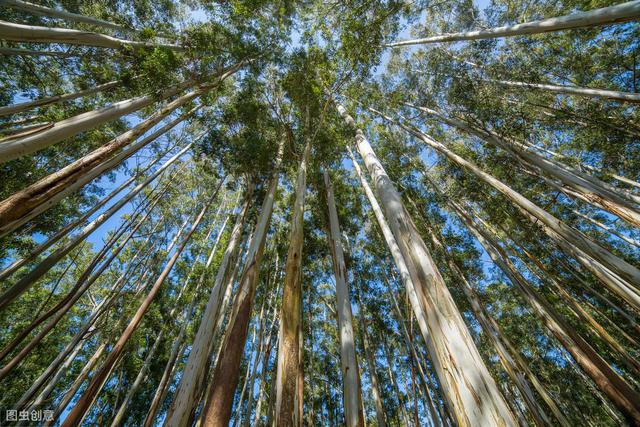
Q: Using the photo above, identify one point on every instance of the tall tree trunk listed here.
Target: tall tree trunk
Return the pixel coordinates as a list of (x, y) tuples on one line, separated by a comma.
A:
[(605, 16), (73, 389), (470, 391), (55, 99), (348, 361), (289, 355), (217, 409), (394, 382), (30, 278), (513, 363), (573, 90), (611, 230), (82, 122), (84, 403), (591, 189), (142, 373), (37, 9), (608, 380), (51, 240), (194, 373), (32, 33), (613, 271), (371, 365), (15, 207)]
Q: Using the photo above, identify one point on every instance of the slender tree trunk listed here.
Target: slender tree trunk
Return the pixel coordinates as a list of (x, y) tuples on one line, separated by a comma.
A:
[(573, 90), (56, 99), (142, 373), (13, 267), (73, 389), (18, 205), (592, 190), (72, 126), (289, 355), (194, 373), (608, 380), (394, 382), (37, 9), (30, 278), (217, 409), (470, 391), (84, 403), (28, 52), (615, 272), (349, 363), (611, 230), (371, 364), (605, 16), (31, 33)]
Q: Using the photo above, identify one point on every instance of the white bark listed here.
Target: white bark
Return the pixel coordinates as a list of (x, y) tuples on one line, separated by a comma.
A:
[(67, 128), (574, 90), (32, 33), (348, 361), (470, 391), (28, 52), (28, 105), (619, 276), (607, 15), (37, 9)]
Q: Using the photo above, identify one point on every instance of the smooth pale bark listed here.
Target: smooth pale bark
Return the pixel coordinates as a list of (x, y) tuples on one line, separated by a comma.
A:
[(37, 9), (142, 373), (609, 381), (77, 383), (32, 33), (27, 52), (85, 402), (394, 382), (23, 131), (30, 278), (593, 191), (605, 16), (217, 409), (513, 363), (17, 206), (14, 266), (194, 373), (72, 126), (349, 364), (470, 391), (616, 273), (263, 379), (48, 100), (573, 90), (611, 230), (289, 354), (371, 365)]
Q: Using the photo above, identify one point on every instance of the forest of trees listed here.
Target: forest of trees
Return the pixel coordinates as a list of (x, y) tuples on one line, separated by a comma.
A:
[(320, 213)]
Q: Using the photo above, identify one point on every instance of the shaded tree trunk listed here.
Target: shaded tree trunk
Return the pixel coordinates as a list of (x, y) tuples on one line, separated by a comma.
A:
[(349, 363)]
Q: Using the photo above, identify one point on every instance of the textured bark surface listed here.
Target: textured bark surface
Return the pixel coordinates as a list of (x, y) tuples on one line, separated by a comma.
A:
[(287, 410), (607, 15), (469, 389)]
